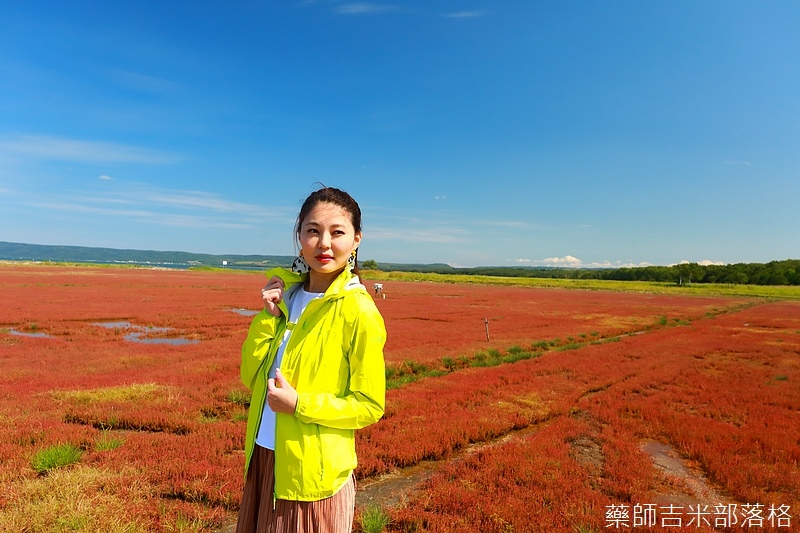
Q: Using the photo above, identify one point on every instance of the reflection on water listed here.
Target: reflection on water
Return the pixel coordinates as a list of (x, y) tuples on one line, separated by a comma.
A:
[(19, 333), (140, 336), (115, 325), (140, 333), (245, 312)]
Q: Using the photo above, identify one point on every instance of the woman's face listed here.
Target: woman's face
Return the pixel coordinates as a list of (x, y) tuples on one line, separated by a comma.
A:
[(327, 238)]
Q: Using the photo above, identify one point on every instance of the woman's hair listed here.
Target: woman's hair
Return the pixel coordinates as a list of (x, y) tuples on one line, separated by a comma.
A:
[(331, 195)]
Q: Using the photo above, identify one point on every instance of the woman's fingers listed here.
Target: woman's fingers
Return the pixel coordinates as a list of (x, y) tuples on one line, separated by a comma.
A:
[(272, 294), (281, 397), (274, 282)]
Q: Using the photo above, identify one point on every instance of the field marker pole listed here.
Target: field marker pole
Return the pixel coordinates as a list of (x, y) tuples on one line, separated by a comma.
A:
[(486, 323)]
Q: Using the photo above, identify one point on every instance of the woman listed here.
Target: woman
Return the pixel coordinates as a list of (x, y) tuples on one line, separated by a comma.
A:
[(313, 360)]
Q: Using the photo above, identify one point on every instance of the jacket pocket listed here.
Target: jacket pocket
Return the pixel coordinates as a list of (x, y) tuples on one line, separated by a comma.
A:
[(339, 454)]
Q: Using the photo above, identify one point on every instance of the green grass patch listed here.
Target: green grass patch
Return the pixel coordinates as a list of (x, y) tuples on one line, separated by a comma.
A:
[(569, 346), (107, 442), (55, 457), (374, 519), (239, 397), (415, 368), (187, 524), (408, 371), (399, 381)]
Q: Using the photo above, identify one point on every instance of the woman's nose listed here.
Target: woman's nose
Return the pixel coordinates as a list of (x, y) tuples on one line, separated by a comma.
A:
[(324, 241)]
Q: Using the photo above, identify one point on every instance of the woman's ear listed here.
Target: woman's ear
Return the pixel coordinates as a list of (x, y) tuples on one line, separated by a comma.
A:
[(356, 240)]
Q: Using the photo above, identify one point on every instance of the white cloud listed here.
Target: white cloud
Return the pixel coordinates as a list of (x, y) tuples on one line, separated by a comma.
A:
[(200, 200), (704, 262), (142, 195), (83, 208), (503, 224), (143, 82), (362, 8), (619, 264), (46, 147), (601, 264), (106, 178), (522, 260), (149, 216), (567, 260), (465, 14), (192, 209), (406, 234), (437, 226)]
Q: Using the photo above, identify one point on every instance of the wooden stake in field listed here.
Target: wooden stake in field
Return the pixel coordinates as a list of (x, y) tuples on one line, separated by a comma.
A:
[(486, 323)]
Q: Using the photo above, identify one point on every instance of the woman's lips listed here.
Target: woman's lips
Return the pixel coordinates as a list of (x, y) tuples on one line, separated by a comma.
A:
[(324, 258)]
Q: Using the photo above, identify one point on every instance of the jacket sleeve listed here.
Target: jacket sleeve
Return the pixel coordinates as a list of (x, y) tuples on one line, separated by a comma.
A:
[(365, 399), (257, 346)]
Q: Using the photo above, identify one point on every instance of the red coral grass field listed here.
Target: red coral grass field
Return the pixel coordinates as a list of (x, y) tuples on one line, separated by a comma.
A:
[(730, 408), (544, 427), (432, 320)]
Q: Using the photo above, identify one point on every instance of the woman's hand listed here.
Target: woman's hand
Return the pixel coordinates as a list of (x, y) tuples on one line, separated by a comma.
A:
[(281, 397), (272, 293)]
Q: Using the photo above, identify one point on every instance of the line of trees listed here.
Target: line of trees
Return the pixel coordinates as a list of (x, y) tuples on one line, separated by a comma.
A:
[(773, 273), (785, 272)]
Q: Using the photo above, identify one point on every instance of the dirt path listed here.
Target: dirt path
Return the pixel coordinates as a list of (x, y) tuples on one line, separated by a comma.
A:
[(696, 487), (692, 487), (392, 489)]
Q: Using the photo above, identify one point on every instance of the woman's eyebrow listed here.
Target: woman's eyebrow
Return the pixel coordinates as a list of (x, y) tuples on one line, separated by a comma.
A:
[(313, 223)]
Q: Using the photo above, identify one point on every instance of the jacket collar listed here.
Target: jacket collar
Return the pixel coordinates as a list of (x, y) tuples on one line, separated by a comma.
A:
[(343, 282)]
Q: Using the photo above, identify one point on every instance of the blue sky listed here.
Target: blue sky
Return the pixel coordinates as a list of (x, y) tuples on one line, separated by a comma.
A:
[(585, 133)]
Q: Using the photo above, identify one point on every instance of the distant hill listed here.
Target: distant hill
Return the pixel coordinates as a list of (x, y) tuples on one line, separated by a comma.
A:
[(786, 272), (82, 254)]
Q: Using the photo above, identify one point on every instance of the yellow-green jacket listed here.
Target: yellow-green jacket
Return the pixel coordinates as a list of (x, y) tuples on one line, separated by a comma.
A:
[(334, 359)]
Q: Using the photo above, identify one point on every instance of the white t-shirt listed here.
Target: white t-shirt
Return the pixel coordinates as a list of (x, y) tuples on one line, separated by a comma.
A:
[(296, 302)]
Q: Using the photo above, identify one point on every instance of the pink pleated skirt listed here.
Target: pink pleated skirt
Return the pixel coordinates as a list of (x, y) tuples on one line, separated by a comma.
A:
[(256, 514)]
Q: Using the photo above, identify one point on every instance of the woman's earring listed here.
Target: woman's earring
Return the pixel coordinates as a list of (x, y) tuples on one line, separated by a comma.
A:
[(299, 266), (351, 261)]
